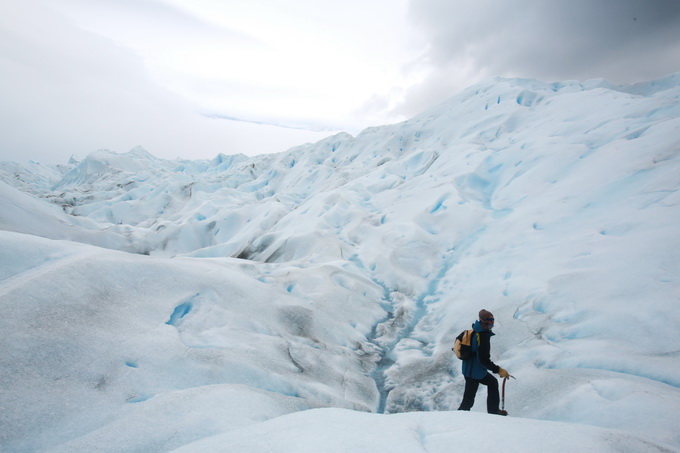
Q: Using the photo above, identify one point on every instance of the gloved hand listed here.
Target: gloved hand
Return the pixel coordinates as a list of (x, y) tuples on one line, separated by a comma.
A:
[(503, 373)]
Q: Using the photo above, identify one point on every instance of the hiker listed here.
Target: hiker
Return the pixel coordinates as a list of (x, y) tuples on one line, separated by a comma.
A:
[(476, 368)]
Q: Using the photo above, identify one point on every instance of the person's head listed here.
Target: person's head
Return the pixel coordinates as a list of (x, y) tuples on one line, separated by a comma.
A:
[(486, 319)]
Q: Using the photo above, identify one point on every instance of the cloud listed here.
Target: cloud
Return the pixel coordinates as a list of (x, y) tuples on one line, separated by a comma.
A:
[(159, 73), (262, 60), (621, 40), (80, 75), (67, 91), (149, 23)]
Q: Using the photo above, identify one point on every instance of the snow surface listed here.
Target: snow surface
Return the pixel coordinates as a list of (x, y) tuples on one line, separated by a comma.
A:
[(308, 300)]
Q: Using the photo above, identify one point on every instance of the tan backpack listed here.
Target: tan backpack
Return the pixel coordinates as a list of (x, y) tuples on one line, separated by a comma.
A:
[(462, 347)]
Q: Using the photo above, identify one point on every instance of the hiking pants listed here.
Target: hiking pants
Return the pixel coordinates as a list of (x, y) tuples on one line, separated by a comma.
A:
[(471, 386)]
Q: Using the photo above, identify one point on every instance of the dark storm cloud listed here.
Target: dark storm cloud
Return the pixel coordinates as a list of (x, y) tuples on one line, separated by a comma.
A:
[(554, 38), (623, 41)]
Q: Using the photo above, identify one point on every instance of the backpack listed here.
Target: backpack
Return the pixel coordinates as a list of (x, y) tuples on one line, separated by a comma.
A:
[(462, 347)]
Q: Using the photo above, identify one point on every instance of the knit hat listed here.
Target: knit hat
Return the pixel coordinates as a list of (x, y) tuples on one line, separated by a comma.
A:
[(486, 319)]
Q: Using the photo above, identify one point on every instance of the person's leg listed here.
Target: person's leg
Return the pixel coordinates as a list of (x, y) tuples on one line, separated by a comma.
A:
[(493, 398), (471, 386)]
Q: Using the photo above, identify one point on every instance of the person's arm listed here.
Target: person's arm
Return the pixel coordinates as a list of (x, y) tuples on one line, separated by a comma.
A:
[(484, 354)]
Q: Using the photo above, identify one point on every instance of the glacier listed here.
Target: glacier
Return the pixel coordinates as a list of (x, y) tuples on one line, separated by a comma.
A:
[(309, 299)]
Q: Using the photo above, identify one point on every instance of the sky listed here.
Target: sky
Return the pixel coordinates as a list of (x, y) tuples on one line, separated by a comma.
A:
[(192, 79)]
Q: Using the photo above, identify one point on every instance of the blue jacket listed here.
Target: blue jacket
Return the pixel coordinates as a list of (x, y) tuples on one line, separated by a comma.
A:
[(480, 363)]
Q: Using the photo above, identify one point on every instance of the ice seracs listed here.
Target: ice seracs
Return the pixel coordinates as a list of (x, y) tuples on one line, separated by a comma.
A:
[(337, 274)]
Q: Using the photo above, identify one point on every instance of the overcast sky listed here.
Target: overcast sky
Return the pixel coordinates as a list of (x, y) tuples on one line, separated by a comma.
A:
[(194, 78)]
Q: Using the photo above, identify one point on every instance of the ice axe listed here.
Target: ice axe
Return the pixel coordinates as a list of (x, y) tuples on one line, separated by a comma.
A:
[(503, 393)]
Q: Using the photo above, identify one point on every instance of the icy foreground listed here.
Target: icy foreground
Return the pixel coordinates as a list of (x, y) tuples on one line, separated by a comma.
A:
[(271, 303)]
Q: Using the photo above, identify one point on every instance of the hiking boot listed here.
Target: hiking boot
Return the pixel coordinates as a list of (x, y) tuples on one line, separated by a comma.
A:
[(502, 412)]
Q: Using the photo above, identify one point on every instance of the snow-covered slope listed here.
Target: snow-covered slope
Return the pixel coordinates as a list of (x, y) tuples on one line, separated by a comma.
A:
[(337, 274), (21, 212), (88, 333), (340, 431)]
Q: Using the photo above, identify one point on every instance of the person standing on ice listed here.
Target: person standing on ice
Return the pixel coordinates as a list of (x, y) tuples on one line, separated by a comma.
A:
[(476, 368)]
